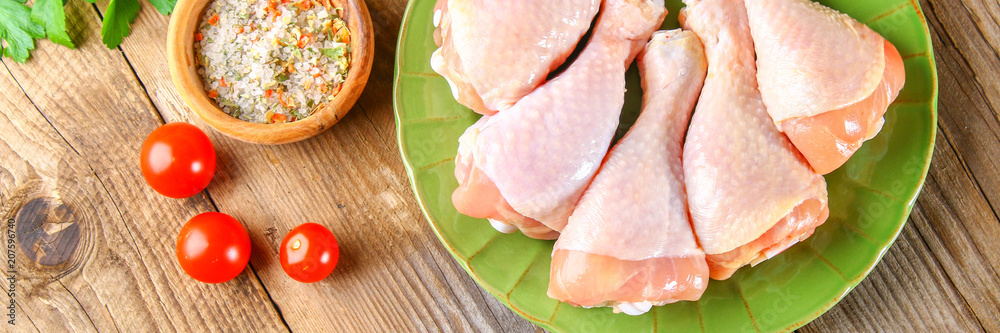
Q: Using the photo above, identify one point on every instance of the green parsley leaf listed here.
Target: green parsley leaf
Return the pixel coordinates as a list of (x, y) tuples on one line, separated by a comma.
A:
[(117, 18), (50, 14), (164, 6), (17, 29), (335, 52)]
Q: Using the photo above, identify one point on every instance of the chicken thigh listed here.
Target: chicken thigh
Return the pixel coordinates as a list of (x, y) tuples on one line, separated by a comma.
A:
[(629, 244), (825, 78), (528, 165), (495, 52), (750, 193)]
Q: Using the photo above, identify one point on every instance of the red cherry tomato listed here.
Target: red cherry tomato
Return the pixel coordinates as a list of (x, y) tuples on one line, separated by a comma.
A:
[(309, 253), (213, 247), (178, 160)]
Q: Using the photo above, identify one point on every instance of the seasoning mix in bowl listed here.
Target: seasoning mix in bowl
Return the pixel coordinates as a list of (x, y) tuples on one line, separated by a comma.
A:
[(270, 71), (272, 61)]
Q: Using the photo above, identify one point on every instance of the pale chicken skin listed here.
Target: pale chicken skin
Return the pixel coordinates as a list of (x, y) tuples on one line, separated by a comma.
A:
[(528, 165), (629, 244), (479, 197), (826, 79), (493, 53), (750, 193)]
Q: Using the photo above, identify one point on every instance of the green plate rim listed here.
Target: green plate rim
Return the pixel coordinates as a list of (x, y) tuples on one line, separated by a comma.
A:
[(547, 325)]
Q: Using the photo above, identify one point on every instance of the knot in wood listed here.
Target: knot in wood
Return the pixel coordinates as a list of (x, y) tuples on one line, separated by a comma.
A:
[(48, 231)]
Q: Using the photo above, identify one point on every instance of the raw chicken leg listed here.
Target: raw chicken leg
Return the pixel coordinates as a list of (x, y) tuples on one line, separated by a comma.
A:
[(528, 165), (825, 78), (751, 194), (629, 244), (495, 52)]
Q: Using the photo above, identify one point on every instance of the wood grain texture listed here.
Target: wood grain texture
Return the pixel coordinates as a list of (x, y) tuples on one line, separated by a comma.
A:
[(72, 121), (57, 146)]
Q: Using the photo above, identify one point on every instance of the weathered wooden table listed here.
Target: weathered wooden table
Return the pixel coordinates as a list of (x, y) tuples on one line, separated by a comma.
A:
[(95, 245)]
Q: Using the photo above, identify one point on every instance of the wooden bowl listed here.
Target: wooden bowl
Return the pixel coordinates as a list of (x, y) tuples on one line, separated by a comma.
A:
[(183, 69)]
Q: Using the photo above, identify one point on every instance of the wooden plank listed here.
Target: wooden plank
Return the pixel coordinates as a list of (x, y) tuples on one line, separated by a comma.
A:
[(23, 176), (969, 67), (393, 274), (954, 220), (96, 243), (968, 108), (970, 30), (376, 102)]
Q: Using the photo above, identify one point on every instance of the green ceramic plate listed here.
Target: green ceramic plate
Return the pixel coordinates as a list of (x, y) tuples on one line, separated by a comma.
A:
[(870, 197)]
